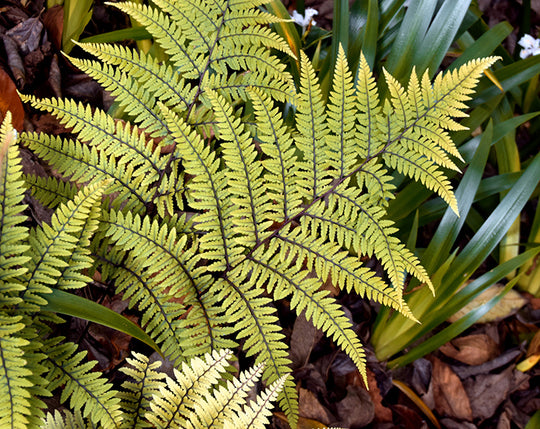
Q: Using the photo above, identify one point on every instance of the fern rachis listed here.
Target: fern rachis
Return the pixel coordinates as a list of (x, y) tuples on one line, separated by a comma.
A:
[(243, 209)]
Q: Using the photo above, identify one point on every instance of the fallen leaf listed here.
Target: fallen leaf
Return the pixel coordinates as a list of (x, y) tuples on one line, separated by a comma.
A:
[(472, 349), (506, 357), (10, 101), (452, 424), (53, 19), (382, 413), (14, 60), (303, 338), (27, 34), (450, 397), (488, 391), (311, 408), (409, 418), (356, 409), (507, 306)]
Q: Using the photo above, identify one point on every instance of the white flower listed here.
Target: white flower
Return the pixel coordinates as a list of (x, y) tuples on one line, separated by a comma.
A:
[(304, 20), (531, 46)]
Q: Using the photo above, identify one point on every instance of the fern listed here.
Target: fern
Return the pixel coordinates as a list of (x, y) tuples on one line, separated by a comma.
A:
[(217, 206), (192, 399)]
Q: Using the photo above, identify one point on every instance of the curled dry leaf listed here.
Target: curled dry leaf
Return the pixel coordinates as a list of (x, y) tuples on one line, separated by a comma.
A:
[(356, 409), (472, 349), (14, 60)]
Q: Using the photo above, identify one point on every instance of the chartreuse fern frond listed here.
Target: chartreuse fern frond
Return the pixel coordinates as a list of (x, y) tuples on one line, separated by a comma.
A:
[(196, 397), (81, 385), (218, 204)]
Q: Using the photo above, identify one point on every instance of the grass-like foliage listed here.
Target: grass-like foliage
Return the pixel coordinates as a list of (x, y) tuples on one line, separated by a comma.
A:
[(217, 206)]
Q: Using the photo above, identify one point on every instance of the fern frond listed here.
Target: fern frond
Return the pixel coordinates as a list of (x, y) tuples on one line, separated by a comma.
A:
[(256, 414), (223, 401), (173, 403), (258, 326), (50, 191), (207, 192), (369, 141), (189, 63), (312, 131), (112, 137), (81, 384), (158, 253), (161, 82), (13, 236), (341, 109), (245, 181), (67, 420), (52, 246), (85, 164), (280, 166), (137, 396), (16, 404)]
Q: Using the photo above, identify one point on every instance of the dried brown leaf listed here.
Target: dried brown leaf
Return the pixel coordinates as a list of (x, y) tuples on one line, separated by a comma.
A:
[(14, 60), (472, 349), (356, 409), (27, 34), (311, 408), (488, 391), (450, 397), (304, 337)]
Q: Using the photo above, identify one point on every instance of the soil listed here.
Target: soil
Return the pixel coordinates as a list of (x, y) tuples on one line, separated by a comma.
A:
[(471, 382)]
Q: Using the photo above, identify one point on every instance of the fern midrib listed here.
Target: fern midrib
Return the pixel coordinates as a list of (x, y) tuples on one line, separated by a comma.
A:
[(281, 163), (138, 417)]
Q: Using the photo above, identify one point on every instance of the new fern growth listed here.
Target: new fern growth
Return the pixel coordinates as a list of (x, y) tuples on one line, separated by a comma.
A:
[(215, 205), (192, 399)]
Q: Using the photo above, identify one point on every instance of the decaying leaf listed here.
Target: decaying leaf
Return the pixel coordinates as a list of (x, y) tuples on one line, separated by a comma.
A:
[(14, 60), (311, 408), (356, 408), (488, 391), (27, 34), (472, 349), (507, 306), (304, 337), (450, 397)]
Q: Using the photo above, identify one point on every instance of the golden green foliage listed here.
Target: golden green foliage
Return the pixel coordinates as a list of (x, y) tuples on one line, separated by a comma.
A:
[(217, 206), (196, 397)]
